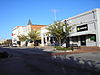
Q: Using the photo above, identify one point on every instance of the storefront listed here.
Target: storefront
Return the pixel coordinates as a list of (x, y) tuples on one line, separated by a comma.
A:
[(83, 37), (84, 40), (86, 31)]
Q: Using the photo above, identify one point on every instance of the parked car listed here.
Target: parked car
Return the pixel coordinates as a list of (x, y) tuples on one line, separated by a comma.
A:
[(14, 45), (4, 45), (54, 44), (63, 45)]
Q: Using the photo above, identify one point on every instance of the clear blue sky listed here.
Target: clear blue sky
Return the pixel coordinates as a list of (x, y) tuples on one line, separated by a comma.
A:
[(18, 12)]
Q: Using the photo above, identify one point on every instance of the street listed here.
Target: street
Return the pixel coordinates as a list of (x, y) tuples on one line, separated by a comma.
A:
[(35, 61), (28, 61)]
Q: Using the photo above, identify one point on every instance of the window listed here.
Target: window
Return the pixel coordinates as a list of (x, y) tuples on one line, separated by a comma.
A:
[(75, 39), (93, 37)]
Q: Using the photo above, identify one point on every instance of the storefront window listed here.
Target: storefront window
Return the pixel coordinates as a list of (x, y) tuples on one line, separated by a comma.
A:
[(93, 37), (75, 39)]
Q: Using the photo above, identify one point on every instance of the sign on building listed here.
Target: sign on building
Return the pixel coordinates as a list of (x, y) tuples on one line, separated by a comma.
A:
[(82, 28)]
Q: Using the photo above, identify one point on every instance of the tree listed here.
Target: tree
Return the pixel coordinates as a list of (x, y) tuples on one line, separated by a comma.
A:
[(57, 30), (22, 38), (8, 42), (34, 35)]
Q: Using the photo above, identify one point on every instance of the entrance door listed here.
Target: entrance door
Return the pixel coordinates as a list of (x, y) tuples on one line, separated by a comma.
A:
[(83, 40)]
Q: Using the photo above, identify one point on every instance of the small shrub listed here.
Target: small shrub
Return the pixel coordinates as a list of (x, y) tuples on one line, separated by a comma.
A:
[(62, 48)]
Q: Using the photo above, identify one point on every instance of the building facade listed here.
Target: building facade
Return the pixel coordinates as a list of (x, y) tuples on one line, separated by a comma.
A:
[(85, 30), (23, 30)]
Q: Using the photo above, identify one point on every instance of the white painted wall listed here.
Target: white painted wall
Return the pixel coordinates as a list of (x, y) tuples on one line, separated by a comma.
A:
[(22, 30), (98, 27), (85, 18), (43, 35)]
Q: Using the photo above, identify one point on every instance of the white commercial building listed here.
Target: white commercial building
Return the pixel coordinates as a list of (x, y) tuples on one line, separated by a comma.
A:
[(86, 29), (23, 30), (19, 30)]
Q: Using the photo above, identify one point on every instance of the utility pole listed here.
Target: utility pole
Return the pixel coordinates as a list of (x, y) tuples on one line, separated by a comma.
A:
[(55, 16)]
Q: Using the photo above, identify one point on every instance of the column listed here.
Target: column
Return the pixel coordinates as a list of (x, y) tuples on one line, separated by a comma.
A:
[(46, 40), (98, 27), (79, 41), (49, 40), (42, 40)]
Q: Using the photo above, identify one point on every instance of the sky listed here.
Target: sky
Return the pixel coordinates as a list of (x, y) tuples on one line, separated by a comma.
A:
[(18, 12)]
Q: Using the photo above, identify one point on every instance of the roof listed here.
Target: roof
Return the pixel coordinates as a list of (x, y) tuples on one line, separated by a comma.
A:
[(17, 27), (82, 14), (37, 27), (29, 22)]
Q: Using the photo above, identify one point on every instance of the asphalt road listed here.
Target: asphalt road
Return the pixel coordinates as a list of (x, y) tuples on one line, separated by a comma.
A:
[(34, 61), (28, 61)]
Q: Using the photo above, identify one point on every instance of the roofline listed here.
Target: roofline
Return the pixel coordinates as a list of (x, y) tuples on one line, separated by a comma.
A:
[(17, 27), (25, 26), (82, 14), (38, 25)]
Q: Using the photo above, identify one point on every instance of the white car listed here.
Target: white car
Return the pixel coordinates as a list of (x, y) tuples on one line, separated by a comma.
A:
[(63, 45), (14, 45)]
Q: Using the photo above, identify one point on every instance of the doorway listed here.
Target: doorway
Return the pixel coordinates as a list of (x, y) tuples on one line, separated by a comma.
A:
[(83, 40)]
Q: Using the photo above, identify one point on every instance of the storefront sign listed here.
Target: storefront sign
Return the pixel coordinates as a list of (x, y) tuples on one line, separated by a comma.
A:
[(82, 28)]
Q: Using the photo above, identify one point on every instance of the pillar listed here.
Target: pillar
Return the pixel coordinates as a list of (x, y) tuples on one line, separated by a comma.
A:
[(42, 40)]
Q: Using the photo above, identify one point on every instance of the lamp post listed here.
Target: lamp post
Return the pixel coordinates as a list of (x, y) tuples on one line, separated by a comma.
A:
[(66, 33)]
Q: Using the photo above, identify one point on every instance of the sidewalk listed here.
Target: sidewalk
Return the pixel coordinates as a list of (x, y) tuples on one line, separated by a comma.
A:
[(76, 51), (47, 48)]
